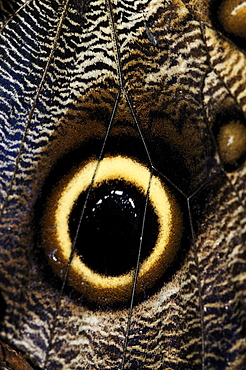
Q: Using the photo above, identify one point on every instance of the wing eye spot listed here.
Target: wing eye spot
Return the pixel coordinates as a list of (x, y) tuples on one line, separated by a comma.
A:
[(232, 141), (95, 285), (232, 17)]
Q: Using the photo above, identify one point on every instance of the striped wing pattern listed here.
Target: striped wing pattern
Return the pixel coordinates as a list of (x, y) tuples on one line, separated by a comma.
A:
[(157, 74)]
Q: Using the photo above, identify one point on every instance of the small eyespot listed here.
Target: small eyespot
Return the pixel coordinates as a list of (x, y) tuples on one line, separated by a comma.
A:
[(232, 141), (93, 222), (232, 17)]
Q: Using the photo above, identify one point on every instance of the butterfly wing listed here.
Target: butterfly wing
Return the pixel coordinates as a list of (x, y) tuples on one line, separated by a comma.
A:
[(155, 82)]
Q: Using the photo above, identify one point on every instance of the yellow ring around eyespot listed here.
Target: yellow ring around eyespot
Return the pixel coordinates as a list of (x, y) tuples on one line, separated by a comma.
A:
[(95, 286)]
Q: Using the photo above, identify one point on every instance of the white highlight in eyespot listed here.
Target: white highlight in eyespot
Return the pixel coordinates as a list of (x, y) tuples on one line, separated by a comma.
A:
[(238, 8), (232, 141), (232, 16)]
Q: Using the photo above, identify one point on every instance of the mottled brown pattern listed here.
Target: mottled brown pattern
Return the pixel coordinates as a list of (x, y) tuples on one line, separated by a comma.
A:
[(161, 78), (11, 360)]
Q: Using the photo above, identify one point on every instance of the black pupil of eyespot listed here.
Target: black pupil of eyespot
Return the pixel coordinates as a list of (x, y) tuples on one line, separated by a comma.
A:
[(108, 238)]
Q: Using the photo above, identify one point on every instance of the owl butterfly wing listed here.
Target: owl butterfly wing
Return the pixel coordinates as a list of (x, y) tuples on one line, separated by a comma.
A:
[(114, 108)]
